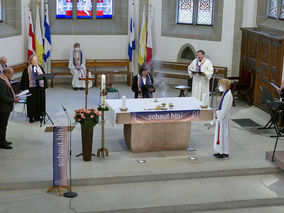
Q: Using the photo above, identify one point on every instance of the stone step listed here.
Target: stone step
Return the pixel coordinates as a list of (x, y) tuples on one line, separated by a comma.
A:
[(270, 209), (145, 178), (191, 195)]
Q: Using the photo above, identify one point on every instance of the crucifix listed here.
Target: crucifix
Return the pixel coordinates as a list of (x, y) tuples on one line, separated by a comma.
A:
[(87, 79)]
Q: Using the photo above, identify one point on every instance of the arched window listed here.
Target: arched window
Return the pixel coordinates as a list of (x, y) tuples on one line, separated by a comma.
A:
[(198, 12)]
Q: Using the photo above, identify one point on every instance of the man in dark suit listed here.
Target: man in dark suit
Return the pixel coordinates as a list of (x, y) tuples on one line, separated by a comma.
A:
[(7, 99)]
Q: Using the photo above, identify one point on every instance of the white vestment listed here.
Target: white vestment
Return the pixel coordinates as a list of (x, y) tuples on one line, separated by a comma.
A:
[(200, 84), (222, 129), (76, 83)]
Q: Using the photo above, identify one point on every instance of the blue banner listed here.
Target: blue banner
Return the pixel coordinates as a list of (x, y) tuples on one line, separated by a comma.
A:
[(60, 156)]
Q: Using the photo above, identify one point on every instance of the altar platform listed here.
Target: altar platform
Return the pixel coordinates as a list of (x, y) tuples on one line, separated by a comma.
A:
[(148, 128), (168, 181)]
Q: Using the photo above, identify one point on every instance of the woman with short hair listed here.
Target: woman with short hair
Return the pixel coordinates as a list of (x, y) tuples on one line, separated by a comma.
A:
[(35, 102)]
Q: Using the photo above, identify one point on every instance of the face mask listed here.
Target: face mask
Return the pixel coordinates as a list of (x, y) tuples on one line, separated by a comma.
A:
[(221, 89), (77, 48)]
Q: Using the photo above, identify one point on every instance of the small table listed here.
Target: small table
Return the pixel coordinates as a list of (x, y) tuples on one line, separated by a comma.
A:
[(181, 90)]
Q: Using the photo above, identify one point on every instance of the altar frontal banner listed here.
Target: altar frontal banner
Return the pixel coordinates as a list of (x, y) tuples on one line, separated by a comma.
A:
[(164, 116), (60, 156)]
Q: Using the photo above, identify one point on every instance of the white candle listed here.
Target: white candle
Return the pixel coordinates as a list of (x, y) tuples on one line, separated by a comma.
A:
[(103, 90), (204, 99), (103, 100), (123, 102), (103, 82)]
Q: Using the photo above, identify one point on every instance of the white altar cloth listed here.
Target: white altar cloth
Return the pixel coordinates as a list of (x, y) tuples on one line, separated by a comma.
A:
[(143, 105)]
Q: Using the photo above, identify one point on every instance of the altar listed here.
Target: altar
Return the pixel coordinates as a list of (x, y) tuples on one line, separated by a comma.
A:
[(157, 125)]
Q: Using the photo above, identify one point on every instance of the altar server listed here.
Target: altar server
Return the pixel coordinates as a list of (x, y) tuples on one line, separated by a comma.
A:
[(222, 115), (201, 70), (77, 66)]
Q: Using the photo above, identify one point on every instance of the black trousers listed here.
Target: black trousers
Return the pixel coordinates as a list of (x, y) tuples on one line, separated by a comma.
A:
[(4, 117)]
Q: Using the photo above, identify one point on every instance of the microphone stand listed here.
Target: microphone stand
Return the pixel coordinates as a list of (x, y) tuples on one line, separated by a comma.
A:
[(213, 93), (69, 194)]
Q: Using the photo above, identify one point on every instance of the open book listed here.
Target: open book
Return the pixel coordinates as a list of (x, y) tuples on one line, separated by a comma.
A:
[(23, 94)]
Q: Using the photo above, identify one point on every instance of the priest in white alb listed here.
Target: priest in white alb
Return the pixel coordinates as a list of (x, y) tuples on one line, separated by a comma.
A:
[(77, 66), (222, 115), (200, 70)]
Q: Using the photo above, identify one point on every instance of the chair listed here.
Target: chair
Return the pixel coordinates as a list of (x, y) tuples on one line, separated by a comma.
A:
[(242, 86), (24, 109), (109, 88)]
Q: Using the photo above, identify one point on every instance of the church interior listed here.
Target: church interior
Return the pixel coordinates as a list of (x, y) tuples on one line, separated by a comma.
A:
[(157, 152)]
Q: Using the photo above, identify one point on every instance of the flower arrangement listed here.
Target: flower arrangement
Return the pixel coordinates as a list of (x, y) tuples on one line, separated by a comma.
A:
[(88, 118)]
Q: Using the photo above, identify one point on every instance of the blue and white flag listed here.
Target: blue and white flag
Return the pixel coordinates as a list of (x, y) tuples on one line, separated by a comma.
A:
[(131, 33), (47, 40)]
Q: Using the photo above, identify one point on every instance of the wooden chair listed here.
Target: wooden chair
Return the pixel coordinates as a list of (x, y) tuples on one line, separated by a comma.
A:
[(109, 88), (242, 86)]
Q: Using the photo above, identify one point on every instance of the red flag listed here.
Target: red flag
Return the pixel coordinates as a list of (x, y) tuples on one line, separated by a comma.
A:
[(31, 37), (149, 36)]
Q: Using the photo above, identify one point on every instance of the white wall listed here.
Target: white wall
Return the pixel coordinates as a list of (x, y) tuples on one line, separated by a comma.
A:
[(115, 46), (220, 53), (250, 13), (99, 47), (14, 47), (94, 46)]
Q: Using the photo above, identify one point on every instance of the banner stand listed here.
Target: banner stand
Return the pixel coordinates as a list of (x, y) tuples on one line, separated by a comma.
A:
[(59, 189), (60, 154)]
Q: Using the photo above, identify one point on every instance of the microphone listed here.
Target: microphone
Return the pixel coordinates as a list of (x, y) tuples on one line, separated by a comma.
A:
[(64, 109)]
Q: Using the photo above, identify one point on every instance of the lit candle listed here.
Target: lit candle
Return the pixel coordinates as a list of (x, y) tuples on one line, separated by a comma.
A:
[(103, 82)]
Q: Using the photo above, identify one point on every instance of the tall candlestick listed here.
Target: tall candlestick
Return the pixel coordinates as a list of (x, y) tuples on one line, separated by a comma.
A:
[(103, 90)]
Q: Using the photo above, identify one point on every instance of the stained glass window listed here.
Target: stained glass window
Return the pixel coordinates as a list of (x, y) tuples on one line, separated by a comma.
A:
[(1, 11), (84, 8), (104, 8), (185, 12), (273, 8), (64, 8), (205, 12), (282, 10)]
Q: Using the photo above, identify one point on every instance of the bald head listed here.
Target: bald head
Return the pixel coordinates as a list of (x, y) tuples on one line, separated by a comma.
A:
[(8, 72), (3, 60)]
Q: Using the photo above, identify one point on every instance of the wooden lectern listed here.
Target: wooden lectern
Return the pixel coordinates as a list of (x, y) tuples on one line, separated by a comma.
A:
[(50, 129)]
